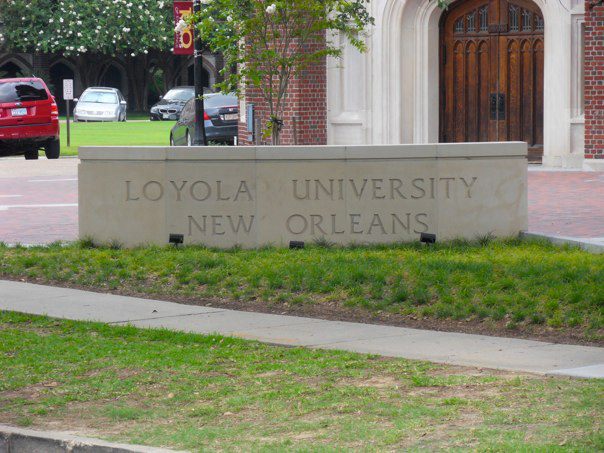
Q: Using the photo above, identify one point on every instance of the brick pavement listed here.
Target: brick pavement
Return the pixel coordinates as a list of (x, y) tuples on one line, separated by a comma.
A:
[(561, 203), (566, 203)]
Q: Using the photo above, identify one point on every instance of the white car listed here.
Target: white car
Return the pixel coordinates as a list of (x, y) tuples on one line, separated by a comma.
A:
[(100, 104)]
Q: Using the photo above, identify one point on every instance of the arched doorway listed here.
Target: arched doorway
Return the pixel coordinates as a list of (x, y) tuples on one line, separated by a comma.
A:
[(491, 73), (10, 70), (112, 77), (58, 73)]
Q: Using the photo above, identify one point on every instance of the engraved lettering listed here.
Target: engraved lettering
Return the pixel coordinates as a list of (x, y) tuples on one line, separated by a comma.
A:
[(340, 189), (355, 222), (447, 188), (219, 196), (243, 188), (432, 188), (315, 222), (468, 186), (296, 224), (178, 189), (240, 224), (204, 192), (415, 184), (396, 220), (193, 222), (395, 186), (376, 222), (306, 195), (376, 185), (319, 186), (217, 223), (358, 193), (129, 197), (424, 224), (334, 229), (148, 191)]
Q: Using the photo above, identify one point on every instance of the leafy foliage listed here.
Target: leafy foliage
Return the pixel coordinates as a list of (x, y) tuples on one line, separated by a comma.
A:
[(75, 27), (270, 42)]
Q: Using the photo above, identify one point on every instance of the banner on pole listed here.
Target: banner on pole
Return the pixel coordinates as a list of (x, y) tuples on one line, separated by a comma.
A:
[(183, 40)]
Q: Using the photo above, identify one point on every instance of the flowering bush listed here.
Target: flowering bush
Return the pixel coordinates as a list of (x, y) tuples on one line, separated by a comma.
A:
[(269, 41), (72, 27)]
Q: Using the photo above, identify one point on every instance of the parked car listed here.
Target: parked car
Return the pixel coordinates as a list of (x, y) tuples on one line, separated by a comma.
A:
[(100, 104), (29, 118), (221, 114), (171, 104)]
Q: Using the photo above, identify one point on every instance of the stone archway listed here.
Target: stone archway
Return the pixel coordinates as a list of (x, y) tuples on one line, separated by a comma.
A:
[(491, 73), (405, 88), (14, 67), (58, 72)]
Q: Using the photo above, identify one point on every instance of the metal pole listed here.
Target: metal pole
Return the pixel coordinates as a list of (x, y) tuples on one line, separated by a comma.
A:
[(68, 134), (199, 137)]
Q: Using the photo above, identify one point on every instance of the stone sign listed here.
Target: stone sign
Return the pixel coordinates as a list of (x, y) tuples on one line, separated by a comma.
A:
[(253, 196)]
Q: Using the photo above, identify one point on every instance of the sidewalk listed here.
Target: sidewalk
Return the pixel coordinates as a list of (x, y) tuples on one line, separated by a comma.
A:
[(442, 347)]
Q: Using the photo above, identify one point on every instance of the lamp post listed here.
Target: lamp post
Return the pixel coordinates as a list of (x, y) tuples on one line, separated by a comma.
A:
[(199, 136)]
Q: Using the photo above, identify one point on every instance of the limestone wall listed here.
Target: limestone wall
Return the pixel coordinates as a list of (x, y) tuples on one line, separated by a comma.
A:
[(251, 196)]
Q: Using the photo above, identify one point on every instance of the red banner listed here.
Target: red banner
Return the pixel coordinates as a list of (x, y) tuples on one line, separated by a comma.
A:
[(183, 40)]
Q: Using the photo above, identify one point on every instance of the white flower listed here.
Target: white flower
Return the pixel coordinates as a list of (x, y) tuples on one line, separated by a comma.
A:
[(271, 9), (125, 29), (206, 2), (181, 26), (229, 19)]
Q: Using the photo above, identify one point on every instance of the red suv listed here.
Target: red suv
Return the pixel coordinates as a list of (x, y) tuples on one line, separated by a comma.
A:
[(29, 119)]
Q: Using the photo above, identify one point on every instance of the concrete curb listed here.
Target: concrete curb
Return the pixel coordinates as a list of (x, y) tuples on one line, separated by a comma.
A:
[(591, 245), (19, 440)]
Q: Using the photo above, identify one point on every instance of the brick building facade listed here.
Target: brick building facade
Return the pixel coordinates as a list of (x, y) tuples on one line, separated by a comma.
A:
[(393, 92), (594, 80), (305, 112)]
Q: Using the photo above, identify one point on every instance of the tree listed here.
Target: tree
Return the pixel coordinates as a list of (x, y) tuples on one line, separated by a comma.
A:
[(271, 42), (88, 30)]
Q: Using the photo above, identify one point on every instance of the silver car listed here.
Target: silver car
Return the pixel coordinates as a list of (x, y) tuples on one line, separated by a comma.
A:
[(100, 104)]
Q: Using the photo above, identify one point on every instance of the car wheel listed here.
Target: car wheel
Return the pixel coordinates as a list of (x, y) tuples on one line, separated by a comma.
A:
[(124, 118), (31, 154), (53, 149), (172, 140), (189, 139)]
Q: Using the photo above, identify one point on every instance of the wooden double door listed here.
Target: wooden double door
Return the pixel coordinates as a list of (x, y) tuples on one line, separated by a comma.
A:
[(491, 74)]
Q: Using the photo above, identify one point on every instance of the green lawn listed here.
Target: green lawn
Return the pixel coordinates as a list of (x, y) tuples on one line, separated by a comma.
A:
[(202, 393), (115, 134), (518, 285)]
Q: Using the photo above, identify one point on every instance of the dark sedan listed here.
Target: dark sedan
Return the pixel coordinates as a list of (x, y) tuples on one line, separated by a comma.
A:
[(171, 104), (220, 120)]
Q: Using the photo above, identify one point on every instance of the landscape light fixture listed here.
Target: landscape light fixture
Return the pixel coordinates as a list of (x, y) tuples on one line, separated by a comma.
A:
[(176, 239), (427, 238), (296, 244)]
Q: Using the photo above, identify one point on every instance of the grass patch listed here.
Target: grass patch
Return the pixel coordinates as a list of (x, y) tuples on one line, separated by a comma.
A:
[(199, 392), (147, 133), (516, 284)]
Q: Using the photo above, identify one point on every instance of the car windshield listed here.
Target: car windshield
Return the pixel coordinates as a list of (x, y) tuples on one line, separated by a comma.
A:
[(219, 100), (99, 97), (22, 91), (179, 94)]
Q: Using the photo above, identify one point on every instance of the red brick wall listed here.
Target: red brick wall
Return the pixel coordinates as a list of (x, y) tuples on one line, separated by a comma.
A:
[(305, 107), (594, 80)]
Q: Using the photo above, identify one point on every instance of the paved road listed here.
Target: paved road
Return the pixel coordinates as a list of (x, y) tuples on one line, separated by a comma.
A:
[(38, 201), (442, 347)]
